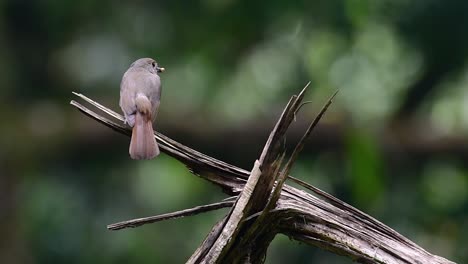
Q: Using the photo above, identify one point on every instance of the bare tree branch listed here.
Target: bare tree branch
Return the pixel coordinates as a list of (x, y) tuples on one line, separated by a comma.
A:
[(318, 219), (173, 215)]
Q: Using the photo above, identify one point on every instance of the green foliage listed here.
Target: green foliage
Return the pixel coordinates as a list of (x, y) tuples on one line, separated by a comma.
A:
[(366, 171), (231, 66)]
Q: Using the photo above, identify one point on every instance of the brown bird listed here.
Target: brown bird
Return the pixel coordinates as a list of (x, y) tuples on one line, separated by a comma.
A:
[(140, 95)]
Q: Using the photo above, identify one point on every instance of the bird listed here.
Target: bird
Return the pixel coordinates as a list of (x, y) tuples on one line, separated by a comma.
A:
[(140, 96)]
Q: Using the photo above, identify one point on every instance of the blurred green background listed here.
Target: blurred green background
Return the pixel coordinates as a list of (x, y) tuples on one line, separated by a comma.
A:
[(394, 144)]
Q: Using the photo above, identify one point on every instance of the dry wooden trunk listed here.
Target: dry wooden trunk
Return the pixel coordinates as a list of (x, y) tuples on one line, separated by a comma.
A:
[(262, 205)]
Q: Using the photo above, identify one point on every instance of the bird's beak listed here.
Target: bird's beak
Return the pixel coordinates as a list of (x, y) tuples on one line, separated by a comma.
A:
[(160, 69)]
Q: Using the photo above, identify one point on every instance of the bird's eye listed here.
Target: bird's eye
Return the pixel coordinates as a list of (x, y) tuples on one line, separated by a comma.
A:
[(154, 64)]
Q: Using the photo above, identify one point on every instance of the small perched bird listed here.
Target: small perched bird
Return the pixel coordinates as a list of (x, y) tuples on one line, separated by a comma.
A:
[(140, 95)]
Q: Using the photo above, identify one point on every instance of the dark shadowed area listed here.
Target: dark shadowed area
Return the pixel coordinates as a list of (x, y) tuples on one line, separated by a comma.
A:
[(393, 144)]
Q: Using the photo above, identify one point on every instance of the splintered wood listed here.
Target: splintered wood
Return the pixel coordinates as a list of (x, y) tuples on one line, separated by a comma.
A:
[(262, 205)]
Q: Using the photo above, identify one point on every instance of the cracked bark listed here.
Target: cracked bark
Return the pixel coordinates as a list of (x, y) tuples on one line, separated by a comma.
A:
[(265, 206)]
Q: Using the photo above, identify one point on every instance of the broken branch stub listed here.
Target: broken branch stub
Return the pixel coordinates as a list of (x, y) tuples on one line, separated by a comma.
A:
[(241, 241), (253, 198)]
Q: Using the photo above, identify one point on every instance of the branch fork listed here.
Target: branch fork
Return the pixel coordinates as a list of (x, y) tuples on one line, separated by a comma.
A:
[(263, 205)]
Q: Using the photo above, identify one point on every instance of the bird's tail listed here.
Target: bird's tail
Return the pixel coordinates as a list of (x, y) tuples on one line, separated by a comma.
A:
[(143, 143)]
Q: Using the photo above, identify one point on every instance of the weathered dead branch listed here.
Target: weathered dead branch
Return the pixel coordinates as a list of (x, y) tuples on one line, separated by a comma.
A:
[(266, 206)]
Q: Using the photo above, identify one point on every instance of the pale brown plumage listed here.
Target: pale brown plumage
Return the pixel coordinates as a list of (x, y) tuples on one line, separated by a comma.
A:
[(140, 95)]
